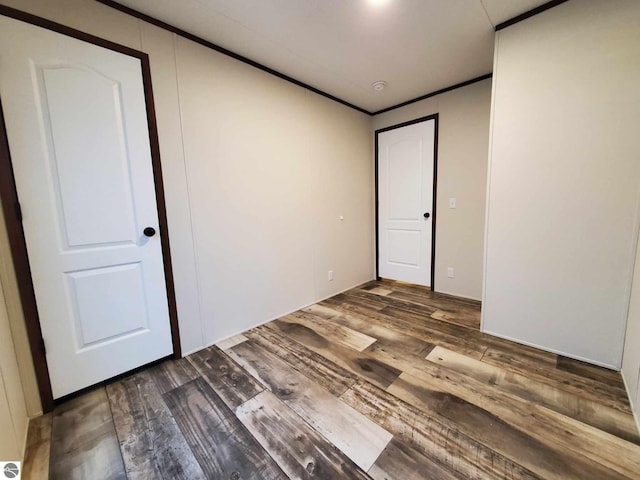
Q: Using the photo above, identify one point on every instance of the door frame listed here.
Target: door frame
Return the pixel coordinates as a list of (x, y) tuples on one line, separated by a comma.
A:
[(13, 217), (434, 117)]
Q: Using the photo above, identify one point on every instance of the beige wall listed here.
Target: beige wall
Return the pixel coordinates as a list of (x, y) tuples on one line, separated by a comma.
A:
[(257, 172), (463, 136), (9, 284), (564, 179), (270, 168), (631, 356), (13, 409)]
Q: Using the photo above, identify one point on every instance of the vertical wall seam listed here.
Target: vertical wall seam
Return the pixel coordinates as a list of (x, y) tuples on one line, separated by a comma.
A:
[(315, 263), (194, 243), (3, 277), (635, 242), (3, 385), (486, 13), (140, 35), (494, 87)]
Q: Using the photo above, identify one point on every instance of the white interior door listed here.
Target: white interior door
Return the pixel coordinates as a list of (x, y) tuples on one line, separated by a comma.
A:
[(77, 128), (405, 202)]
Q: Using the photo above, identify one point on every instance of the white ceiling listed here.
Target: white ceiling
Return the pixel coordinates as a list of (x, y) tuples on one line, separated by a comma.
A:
[(342, 46)]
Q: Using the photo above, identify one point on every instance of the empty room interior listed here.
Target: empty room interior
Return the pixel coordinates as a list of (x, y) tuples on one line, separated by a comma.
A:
[(283, 239)]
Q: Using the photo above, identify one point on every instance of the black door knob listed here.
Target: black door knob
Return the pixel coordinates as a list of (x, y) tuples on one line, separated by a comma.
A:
[(427, 215), (149, 231)]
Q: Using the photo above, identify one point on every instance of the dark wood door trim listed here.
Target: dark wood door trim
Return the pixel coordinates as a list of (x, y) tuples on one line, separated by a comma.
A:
[(434, 117), (13, 221)]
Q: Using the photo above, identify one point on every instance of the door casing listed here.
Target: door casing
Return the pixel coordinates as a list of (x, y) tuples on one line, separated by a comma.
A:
[(11, 209), (435, 191)]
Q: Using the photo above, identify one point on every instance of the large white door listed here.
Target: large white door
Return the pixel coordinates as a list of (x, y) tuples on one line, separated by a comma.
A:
[(77, 128), (405, 202)]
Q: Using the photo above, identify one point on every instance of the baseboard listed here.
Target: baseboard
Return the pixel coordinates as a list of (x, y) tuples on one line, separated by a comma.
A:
[(634, 408), (184, 354), (25, 443), (551, 350), (471, 300)]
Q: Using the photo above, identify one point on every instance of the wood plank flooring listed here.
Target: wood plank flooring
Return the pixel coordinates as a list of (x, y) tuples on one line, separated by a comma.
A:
[(385, 381)]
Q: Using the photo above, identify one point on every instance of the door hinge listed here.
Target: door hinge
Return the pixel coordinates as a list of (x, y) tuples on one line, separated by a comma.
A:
[(18, 211), (43, 346)]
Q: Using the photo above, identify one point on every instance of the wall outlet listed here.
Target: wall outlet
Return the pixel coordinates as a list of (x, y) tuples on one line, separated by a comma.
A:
[(330, 275), (452, 202), (450, 272)]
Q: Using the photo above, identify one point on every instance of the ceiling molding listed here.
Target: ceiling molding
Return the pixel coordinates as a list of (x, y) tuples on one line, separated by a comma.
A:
[(189, 36), (437, 92), (68, 31), (534, 11), (224, 51)]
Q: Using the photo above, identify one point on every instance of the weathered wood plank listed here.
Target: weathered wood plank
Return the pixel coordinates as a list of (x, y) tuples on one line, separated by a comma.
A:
[(380, 291), (400, 461), (491, 346), (223, 446), (335, 332), (445, 330), (317, 368), (385, 336), (354, 434), (468, 311), (441, 442), (172, 373), (231, 342), (418, 294), (370, 285), (558, 378), (481, 406), (151, 443), (37, 455), (455, 317), (234, 385), (605, 418), (299, 450), (544, 424), (84, 441), (366, 304), (426, 330), (436, 306), (601, 375), (544, 442), (391, 301), (360, 363), (448, 330)]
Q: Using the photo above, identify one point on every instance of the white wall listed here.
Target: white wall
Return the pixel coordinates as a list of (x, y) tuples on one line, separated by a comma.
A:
[(463, 137), (564, 179), (257, 172)]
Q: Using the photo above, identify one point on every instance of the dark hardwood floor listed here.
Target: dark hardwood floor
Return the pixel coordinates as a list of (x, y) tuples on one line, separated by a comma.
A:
[(385, 381)]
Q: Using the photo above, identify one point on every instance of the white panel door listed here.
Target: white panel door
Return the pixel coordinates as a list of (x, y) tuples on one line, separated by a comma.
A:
[(405, 202), (79, 141)]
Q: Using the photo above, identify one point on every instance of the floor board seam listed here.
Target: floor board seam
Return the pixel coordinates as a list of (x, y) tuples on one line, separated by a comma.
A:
[(429, 397)]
